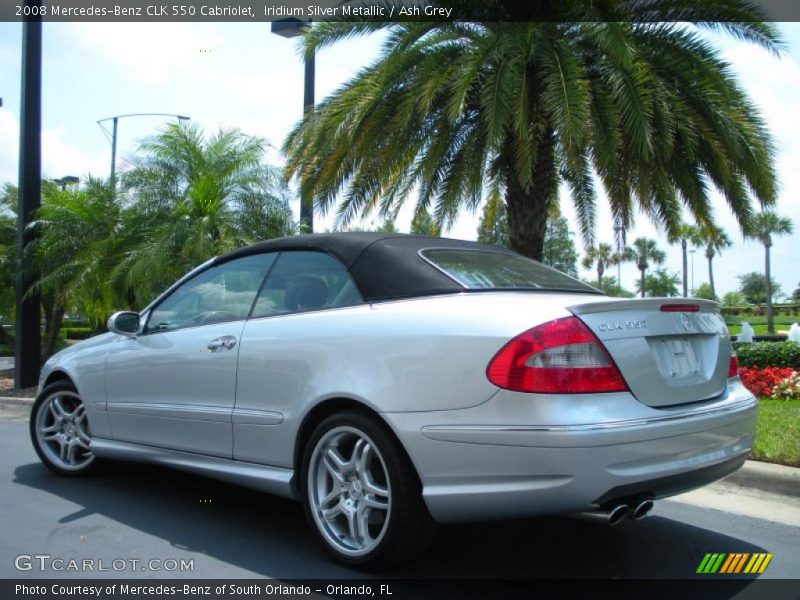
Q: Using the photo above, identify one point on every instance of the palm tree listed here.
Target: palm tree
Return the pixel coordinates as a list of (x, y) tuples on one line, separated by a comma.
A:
[(762, 227), (646, 252), (715, 240), (511, 108), (684, 234), (603, 256), (74, 248), (660, 284), (195, 198)]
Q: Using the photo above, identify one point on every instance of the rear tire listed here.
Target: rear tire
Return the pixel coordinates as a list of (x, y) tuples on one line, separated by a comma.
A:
[(361, 493), (60, 431)]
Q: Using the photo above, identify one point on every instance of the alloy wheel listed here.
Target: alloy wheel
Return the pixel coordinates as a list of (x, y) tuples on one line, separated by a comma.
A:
[(62, 431), (349, 491)]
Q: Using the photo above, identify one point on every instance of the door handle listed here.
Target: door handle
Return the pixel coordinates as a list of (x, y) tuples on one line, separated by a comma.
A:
[(225, 342)]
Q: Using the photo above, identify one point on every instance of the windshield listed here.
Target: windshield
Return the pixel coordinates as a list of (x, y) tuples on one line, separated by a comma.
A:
[(483, 269)]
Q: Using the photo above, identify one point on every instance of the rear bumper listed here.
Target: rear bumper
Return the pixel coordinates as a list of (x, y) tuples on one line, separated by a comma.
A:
[(517, 456)]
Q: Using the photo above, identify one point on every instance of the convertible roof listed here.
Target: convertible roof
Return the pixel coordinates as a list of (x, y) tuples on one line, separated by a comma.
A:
[(384, 266)]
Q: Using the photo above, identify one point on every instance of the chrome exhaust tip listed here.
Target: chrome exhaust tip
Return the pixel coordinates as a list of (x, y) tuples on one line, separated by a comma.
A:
[(641, 510), (618, 514), (610, 516)]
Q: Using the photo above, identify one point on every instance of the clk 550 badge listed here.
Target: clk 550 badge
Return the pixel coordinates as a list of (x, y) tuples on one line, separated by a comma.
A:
[(619, 325)]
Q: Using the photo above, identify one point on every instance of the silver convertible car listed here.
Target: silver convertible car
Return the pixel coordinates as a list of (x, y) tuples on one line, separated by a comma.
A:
[(390, 381)]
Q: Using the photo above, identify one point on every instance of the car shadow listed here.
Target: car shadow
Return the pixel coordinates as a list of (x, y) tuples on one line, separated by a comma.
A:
[(269, 536)]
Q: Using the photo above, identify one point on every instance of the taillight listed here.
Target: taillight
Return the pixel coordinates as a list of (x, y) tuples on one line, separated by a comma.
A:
[(557, 357), (733, 367)]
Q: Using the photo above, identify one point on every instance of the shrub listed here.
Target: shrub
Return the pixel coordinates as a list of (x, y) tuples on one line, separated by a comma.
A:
[(761, 355), (77, 333)]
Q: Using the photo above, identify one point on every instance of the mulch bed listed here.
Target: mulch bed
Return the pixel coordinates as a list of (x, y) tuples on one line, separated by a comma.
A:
[(7, 388)]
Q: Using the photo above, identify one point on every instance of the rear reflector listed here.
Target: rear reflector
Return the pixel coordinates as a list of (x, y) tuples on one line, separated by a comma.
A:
[(733, 367), (557, 357), (680, 308)]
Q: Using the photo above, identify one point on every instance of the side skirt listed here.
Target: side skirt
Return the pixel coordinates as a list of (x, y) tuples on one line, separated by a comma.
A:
[(273, 480)]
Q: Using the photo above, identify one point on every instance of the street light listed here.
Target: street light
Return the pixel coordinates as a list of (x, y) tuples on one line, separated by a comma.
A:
[(692, 251), (65, 181), (115, 121), (290, 28)]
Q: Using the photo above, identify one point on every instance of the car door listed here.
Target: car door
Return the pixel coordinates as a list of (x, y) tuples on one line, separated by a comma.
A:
[(284, 350), (174, 385)]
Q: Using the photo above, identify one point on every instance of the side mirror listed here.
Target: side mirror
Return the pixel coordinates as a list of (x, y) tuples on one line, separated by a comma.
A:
[(124, 323)]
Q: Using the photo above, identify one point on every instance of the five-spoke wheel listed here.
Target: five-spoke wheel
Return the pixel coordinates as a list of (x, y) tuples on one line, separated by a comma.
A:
[(349, 490), (60, 430), (362, 494)]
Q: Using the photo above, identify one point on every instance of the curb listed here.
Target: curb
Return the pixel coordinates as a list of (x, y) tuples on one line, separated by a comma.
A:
[(22, 399), (767, 477)]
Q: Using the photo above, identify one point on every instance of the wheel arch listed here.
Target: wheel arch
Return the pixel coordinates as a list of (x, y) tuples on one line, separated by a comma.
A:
[(322, 410), (59, 375)]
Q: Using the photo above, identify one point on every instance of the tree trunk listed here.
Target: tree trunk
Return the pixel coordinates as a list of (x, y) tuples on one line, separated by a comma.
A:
[(642, 281), (685, 270), (527, 209), (711, 276), (53, 321), (770, 324), (132, 304), (6, 339), (600, 270)]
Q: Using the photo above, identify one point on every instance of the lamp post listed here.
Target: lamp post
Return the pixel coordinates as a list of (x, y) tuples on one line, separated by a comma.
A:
[(290, 28), (114, 127), (27, 341), (692, 251), (65, 181)]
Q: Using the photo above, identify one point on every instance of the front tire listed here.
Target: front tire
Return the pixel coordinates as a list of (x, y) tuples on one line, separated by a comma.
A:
[(60, 430), (361, 493)]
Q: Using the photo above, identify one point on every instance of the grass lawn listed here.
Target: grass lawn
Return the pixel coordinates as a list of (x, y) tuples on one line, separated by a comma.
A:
[(778, 432), (782, 324)]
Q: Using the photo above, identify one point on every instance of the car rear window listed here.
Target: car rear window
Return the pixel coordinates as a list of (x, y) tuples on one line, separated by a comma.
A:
[(484, 269)]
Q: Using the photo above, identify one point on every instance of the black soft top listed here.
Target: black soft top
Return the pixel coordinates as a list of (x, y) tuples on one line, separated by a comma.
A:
[(384, 266)]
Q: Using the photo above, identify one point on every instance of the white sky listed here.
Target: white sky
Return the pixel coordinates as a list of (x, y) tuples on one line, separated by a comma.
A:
[(240, 75)]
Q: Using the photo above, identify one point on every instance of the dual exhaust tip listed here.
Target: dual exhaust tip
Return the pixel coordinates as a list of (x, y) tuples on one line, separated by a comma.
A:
[(616, 513)]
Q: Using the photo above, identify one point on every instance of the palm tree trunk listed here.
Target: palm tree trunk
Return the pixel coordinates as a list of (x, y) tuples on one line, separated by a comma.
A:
[(131, 294), (685, 270), (6, 339), (53, 321), (711, 277), (642, 282), (600, 270), (770, 324), (528, 208)]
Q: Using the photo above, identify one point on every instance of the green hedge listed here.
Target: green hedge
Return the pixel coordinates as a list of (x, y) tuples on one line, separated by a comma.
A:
[(786, 310), (760, 355), (77, 333)]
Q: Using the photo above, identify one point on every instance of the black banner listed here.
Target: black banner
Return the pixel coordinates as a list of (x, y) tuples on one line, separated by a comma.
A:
[(390, 589), (397, 10)]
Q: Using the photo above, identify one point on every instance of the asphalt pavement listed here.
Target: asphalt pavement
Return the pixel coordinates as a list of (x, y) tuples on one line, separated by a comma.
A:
[(140, 512)]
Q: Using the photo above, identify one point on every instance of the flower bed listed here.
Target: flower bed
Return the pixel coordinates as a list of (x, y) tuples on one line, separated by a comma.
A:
[(771, 382)]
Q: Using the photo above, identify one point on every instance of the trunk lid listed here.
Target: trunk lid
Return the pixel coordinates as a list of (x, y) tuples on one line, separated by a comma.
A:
[(667, 357)]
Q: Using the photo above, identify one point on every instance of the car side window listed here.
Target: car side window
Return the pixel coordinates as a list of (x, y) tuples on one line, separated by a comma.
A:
[(302, 281), (217, 295)]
